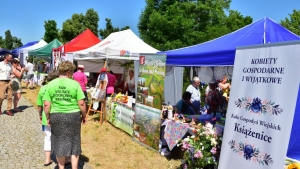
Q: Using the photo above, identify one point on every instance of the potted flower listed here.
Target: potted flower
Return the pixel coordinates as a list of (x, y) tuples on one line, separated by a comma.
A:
[(201, 150)]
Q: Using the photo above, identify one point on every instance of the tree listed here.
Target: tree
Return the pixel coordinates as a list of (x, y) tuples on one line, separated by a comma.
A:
[(104, 33), (2, 42), (91, 20), (17, 42), (51, 31), (72, 27), (8, 40), (292, 23), (79, 23), (171, 24), (236, 21)]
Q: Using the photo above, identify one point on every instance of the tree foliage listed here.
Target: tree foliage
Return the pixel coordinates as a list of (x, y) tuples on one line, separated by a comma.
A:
[(79, 23), (104, 33), (51, 31), (2, 42), (17, 42), (8, 40), (171, 24), (91, 20), (293, 22)]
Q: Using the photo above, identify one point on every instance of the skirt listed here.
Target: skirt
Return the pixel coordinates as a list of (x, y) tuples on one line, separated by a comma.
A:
[(65, 133)]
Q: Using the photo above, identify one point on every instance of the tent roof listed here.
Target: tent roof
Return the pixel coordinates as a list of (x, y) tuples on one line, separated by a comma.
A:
[(40, 44), (45, 50), (6, 51), (86, 39), (15, 51), (118, 45), (221, 51)]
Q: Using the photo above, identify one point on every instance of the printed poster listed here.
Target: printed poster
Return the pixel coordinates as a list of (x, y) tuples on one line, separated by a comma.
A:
[(147, 125), (120, 116), (124, 118), (150, 89), (261, 107)]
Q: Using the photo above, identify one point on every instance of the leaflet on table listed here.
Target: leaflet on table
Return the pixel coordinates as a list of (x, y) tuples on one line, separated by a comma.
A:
[(261, 107), (147, 125)]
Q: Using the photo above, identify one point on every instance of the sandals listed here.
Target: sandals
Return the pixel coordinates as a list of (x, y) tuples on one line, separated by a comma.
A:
[(48, 163)]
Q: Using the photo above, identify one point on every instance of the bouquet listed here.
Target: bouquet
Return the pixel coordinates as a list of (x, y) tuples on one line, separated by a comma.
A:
[(201, 150), (290, 164)]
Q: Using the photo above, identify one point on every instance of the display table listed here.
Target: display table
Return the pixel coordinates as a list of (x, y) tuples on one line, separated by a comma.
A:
[(120, 116), (174, 131)]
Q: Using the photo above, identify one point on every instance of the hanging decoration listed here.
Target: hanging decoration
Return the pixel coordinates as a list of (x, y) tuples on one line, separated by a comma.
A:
[(220, 72), (205, 74), (229, 72)]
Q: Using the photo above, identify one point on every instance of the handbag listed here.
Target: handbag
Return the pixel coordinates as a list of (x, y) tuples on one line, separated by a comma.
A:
[(15, 85)]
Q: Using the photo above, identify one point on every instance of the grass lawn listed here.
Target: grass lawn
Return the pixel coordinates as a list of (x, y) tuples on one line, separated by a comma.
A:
[(107, 147)]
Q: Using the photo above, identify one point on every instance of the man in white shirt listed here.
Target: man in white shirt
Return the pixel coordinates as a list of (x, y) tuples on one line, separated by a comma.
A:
[(30, 73), (196, 95), (6, 72)]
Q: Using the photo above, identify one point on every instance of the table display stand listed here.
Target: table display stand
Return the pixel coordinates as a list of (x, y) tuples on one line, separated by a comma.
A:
[(102, 112)]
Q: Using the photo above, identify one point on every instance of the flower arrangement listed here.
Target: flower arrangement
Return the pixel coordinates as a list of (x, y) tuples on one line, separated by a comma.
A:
[(289, 164), (202, 149), (293, 166), (251, 153)]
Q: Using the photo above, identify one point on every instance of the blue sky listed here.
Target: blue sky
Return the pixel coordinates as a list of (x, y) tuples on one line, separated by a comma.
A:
[(25, 19)]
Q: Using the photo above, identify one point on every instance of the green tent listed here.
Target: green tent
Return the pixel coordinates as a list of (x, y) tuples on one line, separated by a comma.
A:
[(45, 51)]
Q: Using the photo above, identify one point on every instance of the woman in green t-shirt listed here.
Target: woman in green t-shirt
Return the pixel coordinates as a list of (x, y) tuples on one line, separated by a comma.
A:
[(47, 129), (65, 110)]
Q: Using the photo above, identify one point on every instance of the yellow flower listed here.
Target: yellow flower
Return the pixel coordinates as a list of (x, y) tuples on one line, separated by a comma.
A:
[(294, 166)]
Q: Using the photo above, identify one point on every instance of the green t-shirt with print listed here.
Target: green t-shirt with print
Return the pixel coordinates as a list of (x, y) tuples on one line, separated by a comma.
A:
[(64, 94), (40, 102)]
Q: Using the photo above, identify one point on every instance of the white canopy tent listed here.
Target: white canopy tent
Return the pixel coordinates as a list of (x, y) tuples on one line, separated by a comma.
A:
[(119, 47), (23, 53)]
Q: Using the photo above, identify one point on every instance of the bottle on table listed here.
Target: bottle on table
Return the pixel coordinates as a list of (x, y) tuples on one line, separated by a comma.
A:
[(170, 111)]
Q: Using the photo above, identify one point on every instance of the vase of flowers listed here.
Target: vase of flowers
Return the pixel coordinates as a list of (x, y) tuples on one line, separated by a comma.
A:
[(201, 150)]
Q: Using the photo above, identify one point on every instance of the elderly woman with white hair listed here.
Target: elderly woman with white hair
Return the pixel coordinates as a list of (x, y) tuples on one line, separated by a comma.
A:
[(196, 95)]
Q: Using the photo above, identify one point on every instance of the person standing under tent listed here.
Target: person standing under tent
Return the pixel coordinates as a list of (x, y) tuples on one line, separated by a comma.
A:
[(112, 81), (6, 73), (30, 74), (225, 87), (196, 95), (47, 67), (81, 78), (213, 99), (130, 84)]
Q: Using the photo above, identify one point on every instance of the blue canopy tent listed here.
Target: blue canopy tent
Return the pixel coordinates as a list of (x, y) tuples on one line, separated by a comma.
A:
[(5, 51), (221, 52), (16, 51)]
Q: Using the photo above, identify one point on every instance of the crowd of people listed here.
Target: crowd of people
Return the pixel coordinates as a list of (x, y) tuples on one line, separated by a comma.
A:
[(61, 106)]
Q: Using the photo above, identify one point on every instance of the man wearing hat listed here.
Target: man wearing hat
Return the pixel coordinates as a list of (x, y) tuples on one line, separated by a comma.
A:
[(81, 78)]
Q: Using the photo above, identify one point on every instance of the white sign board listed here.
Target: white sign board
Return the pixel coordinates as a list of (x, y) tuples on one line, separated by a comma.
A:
[(261, 108)]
